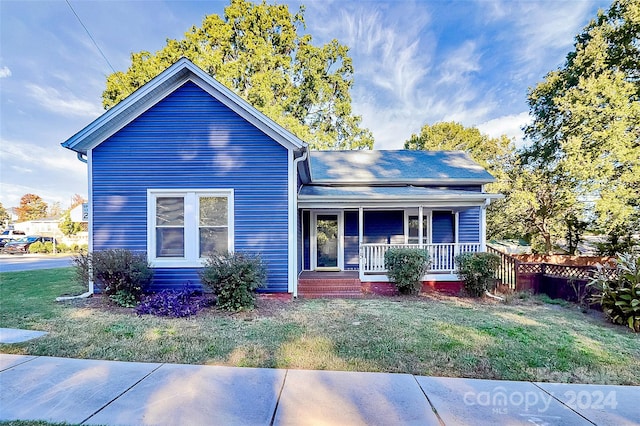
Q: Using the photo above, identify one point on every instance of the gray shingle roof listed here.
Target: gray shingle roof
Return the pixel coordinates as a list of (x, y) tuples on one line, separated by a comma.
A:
[(397, 167)]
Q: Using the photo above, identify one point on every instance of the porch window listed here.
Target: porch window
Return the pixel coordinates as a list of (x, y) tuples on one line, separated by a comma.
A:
[(414, 230), (184, 226)]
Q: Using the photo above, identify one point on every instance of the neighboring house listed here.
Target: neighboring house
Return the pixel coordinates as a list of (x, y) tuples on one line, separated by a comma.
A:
[(46, 226), (183, 166)]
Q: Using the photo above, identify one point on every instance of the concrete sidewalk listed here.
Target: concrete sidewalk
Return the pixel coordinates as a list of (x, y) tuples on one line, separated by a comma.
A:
[(125, 393)]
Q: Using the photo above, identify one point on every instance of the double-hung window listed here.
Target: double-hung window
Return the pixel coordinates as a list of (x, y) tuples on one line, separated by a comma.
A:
[(184, 226)]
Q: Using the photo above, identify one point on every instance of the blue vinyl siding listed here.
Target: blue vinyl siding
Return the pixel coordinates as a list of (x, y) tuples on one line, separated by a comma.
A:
[(351, 249), (189, 140), (385, 227), (469, 225), (442, 227)]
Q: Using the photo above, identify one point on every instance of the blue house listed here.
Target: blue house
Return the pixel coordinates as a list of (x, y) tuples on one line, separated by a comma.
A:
[(183, 167)]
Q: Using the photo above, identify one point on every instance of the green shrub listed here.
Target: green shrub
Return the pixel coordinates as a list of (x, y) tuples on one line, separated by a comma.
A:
[(36, 247), (477, 270), (48, 247), (406, 267), (124, 298), (115, 271), (234, 277), (619, 295), (62, 248)]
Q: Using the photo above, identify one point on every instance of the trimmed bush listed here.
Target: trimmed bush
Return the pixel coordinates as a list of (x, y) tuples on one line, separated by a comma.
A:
[(173, 303), (406, 267), (118, 271), (619, 295), (477, 270), (36, 247), (234, 277), (48, 247)]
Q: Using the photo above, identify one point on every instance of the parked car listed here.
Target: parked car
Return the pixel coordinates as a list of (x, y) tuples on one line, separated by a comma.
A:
[(5, 240), (22, 245)]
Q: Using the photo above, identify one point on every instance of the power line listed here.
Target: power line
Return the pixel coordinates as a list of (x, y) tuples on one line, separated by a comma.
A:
[(91, 37)]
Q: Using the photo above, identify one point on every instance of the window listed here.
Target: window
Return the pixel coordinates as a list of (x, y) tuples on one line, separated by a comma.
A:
[(186, 225), (414, 230)]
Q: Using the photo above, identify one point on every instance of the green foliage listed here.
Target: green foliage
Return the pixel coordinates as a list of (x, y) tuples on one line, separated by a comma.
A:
[(63, 248), (37, 247), (116, 270), (31, 207), (124, 298), (234, 277), (67, 226), (4, 216), (406, 267), (586, 127), (537, 206), (478, 271), (256, 50), (48, 247), (620, 296)]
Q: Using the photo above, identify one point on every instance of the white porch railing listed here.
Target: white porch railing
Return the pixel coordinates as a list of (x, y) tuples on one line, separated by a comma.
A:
[(441, 256)]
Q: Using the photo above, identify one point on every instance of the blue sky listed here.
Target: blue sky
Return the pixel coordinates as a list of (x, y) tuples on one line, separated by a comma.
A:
[(416, 62)]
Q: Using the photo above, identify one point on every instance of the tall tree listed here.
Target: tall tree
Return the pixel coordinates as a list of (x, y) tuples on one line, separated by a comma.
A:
[(31, 207), (4, 215), (76, 200), (256, 50), (55, 210), (586, 127)]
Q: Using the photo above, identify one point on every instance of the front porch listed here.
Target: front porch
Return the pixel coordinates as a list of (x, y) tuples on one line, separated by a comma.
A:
[(341, 240)]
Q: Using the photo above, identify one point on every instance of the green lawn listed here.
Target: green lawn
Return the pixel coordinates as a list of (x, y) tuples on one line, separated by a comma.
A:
[(439, 336)]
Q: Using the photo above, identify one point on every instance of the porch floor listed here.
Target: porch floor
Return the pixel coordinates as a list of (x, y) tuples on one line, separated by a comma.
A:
[(315, 275)]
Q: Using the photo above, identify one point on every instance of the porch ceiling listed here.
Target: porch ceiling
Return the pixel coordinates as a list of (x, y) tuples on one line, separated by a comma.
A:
[(312, 196)]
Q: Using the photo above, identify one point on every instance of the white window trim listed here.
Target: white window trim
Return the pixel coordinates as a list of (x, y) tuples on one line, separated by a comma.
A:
[(191, 258)]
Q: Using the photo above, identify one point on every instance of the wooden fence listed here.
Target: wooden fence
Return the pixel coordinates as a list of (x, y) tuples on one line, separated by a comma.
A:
[(557, 281)]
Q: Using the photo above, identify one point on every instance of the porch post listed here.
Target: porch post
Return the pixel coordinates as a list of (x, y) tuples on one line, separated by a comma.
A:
[(360, 239), (456, 237), (483, 227), (420, 227)]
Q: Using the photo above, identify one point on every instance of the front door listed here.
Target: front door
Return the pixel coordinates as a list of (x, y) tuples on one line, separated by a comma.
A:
[(327, 253)]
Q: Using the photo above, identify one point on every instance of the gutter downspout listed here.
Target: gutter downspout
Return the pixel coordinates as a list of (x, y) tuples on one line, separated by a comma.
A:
[(296, 161), (90, 292)]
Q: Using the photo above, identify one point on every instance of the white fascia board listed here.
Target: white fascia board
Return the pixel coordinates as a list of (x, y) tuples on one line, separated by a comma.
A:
[(157, 89), (449, 200)]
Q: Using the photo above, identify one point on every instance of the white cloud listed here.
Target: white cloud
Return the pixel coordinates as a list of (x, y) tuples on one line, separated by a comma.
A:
[(64, 104), (460, 63), (49, 171), (34, 157), (544, 30), (510, 125), (5, 72), (389, 51)]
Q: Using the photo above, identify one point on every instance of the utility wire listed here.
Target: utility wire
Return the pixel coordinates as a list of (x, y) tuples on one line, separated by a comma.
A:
[(91, 37)]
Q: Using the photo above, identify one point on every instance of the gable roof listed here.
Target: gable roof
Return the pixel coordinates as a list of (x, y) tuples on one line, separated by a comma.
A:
[(161, 86), (401, 167)]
